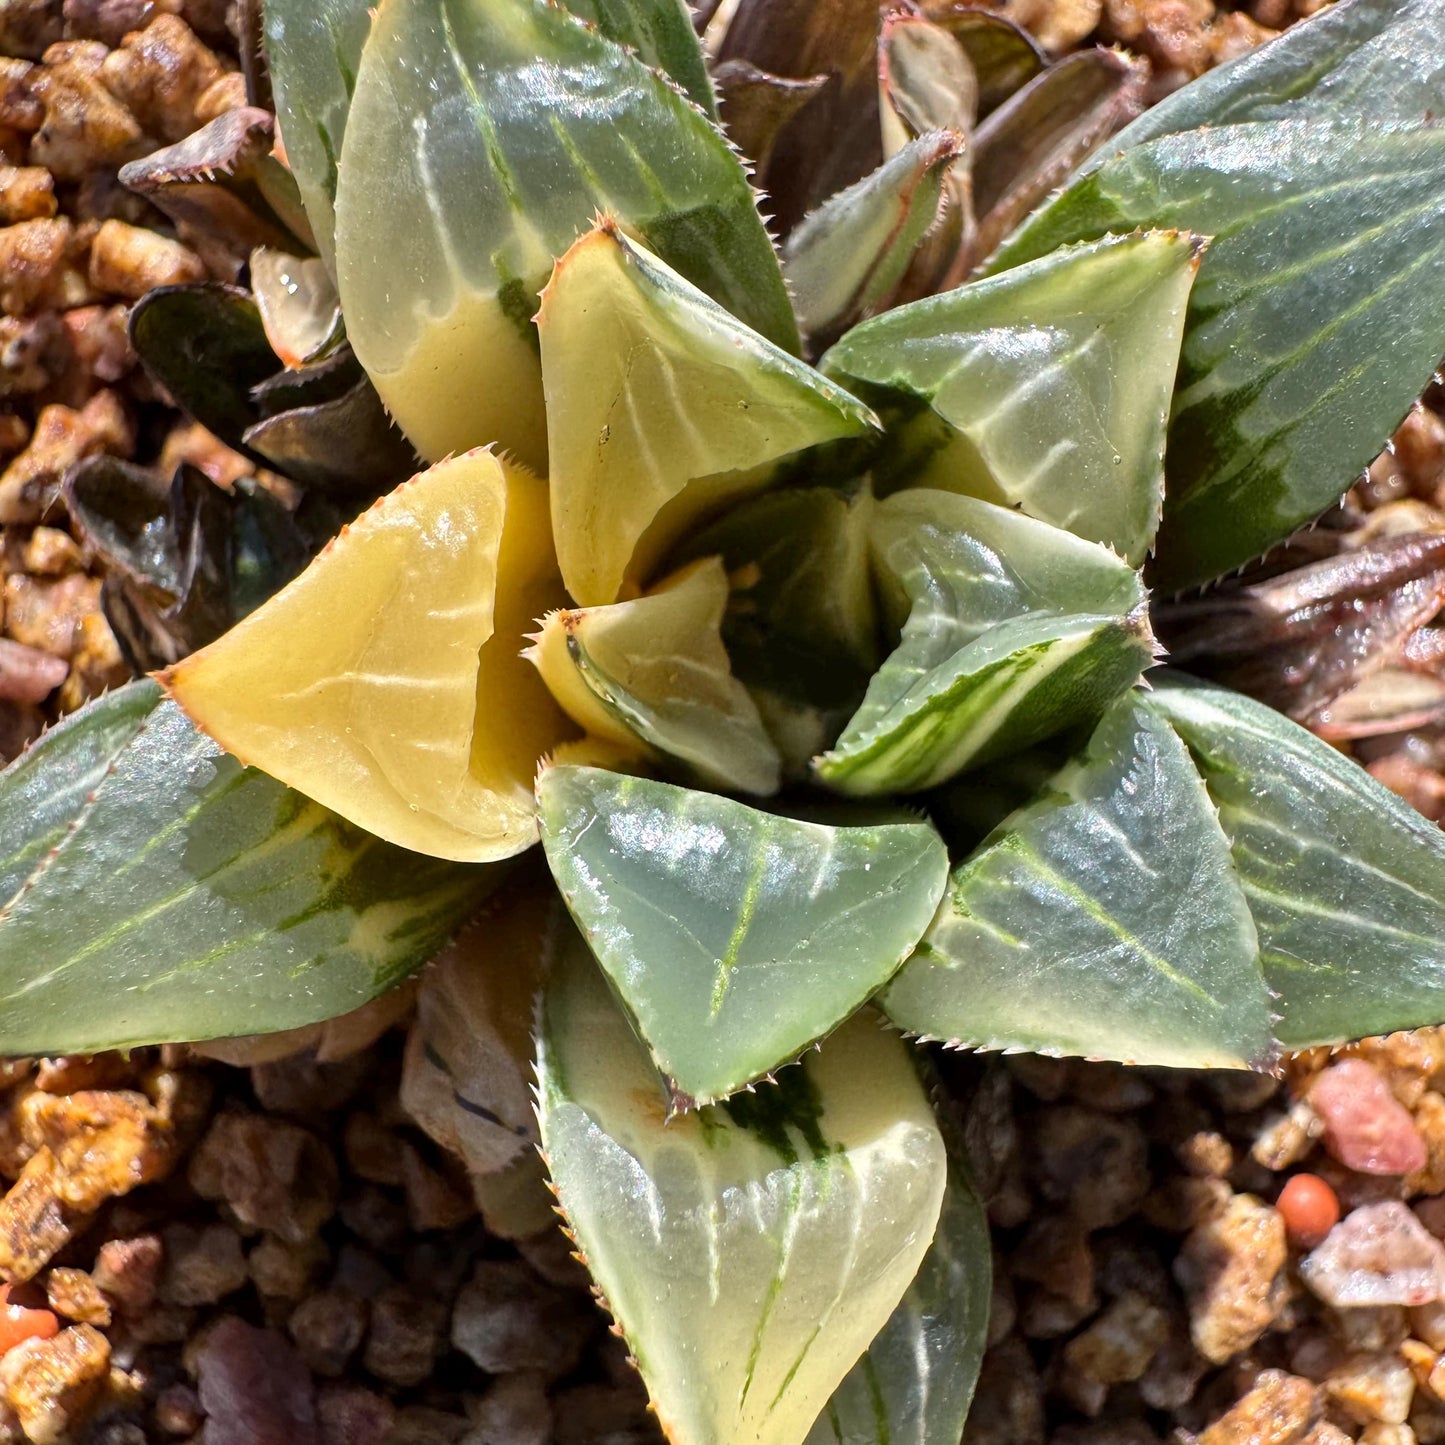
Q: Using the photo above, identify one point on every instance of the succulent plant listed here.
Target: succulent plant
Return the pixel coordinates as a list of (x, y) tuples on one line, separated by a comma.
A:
[(822, 664)]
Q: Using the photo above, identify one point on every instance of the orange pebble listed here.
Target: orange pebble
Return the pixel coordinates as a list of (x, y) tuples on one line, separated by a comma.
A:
[(1309, 1209), (18, 1324)]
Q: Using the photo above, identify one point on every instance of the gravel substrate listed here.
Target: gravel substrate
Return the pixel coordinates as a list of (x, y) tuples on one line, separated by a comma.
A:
[(242, 1256)]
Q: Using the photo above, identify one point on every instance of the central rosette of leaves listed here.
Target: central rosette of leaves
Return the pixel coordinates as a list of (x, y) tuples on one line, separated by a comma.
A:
[(820, 684)]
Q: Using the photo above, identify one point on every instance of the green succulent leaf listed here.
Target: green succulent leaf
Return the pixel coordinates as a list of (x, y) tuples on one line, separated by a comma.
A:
[(661, 409), (749, 1251), (654, 671), (1045, 389), (802, 626), (1313, 325), (1012, 631), (313, 51), (846, 257), (1345, 880), (156, 890), (445, 235), (1104, 918), (915, 1383), (661, 33), (735, 938)]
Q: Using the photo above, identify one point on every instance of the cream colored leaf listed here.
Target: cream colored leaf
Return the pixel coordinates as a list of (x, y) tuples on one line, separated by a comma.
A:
[(751, 1250), (654, 672), (661, 409), (385, 681)]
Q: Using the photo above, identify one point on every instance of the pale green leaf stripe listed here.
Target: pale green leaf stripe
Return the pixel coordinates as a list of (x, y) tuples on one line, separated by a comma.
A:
[(725, 747), (749, 1251), (1345, 880), (1102, 919), (1023, 682), (165, 893), (735, 937), (504, 185), (1313, 325), (915, 1383)]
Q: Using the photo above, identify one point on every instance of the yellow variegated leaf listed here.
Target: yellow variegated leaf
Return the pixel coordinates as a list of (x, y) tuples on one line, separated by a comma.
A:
[(652, 675), (385, 681), (661, 409)]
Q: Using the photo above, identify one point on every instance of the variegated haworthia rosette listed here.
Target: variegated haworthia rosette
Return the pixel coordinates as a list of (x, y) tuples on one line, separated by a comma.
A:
[(750, 1250), (735, 938)]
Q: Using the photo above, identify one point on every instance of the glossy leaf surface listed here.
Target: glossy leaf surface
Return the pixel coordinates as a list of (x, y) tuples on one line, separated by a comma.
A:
[(1101, 919), (849, 254), (298, 304), (735, 938), (1011, 631), (661, 33), (313, 52), (1046, 389), (1313, 324), (661, 408), (184, 561), (366, 682), (444, 237), (654, 671), (151, 889), (345, 446), (749, 1251), (914, 1384), (1345, 880)]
